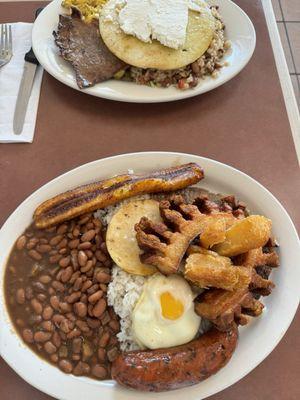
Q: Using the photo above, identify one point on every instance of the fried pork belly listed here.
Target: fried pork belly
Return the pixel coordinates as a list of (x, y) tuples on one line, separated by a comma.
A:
[(215, 231), (164, 244), (257, 258), (256, 261), (209, 203), (207, 269), (223, 307)]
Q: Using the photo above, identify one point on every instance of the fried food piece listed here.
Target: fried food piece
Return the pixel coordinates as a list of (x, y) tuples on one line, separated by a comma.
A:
[(165, 244), (257, 258), (121, 237), (254, 260), (223, 308), (246, 234), (215, 231), (212, 270), (101, 194), (193, 248), (176, 367), (209, 203)]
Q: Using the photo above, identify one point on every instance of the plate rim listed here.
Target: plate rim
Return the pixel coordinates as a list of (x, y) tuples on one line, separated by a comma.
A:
[(153, 154), (180, 95)]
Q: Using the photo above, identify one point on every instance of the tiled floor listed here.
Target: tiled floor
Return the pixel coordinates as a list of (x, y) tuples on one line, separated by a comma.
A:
[(287, 13)]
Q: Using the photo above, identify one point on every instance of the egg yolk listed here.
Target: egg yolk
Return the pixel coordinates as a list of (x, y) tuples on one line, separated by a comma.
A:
[(171, 307)]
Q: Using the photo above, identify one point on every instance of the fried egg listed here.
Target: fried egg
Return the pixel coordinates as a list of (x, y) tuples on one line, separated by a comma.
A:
[(164, 315)]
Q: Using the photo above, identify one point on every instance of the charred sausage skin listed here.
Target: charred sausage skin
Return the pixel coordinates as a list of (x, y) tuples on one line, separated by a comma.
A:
[(176, 367)]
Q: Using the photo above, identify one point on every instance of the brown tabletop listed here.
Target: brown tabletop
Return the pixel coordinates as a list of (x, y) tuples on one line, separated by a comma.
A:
[(243, 123)]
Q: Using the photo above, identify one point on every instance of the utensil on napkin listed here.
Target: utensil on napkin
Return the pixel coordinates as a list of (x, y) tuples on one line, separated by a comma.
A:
[(5, 44), (30, 67), (10, 79)]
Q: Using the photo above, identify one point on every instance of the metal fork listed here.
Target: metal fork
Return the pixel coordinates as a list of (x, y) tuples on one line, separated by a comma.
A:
[(5, 44)]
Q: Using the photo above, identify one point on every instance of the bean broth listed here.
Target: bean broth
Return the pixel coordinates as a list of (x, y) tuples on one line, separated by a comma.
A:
[(55, 288)]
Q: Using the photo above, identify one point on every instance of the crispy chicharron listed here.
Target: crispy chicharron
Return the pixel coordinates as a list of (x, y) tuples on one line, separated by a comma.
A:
[(165, 244), (260, 265), (101, 194), (206, 269), (223, 307)]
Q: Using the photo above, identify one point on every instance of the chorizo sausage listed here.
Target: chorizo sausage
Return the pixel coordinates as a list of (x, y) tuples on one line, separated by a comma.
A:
[(176, 367)]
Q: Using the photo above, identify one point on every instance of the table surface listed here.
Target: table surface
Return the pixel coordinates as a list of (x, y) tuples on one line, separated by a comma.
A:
[(243, 123)]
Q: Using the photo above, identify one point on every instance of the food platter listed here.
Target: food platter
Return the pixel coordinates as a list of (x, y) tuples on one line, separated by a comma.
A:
[(267, 329), (239, 31)]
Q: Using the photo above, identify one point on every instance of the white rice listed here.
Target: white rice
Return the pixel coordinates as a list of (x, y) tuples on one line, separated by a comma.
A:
[(125, 289), (123, 292)]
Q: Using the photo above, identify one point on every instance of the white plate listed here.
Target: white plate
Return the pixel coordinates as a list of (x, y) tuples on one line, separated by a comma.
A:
[(257, 340), (239, 30)]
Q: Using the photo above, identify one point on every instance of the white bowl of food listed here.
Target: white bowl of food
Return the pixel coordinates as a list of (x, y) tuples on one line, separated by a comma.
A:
[(153, 51), (122, 278)]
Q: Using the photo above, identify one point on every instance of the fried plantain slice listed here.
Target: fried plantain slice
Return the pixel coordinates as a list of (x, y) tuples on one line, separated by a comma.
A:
[(107, 192)]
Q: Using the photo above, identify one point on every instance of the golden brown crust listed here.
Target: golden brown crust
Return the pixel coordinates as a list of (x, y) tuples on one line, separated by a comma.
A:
[(215, 232), (244, 235), (256, 257), (165, 244), (101, 194), (223, 307), (211, 270)]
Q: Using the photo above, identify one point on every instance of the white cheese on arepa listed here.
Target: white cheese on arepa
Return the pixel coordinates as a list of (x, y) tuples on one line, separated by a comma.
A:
[(164, 20), (136, 52)]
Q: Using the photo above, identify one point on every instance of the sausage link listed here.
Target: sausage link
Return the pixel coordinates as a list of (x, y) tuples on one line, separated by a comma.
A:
[(176, 367)]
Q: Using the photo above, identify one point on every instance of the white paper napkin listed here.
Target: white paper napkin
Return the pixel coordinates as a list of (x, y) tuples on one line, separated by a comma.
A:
[(10, 78)]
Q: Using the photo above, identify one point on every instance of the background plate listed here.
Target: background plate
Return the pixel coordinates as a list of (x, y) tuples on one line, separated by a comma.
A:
[(257, 339), (239, 30)]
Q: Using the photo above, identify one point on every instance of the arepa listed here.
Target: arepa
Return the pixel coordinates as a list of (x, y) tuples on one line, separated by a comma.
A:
[(200, 31)]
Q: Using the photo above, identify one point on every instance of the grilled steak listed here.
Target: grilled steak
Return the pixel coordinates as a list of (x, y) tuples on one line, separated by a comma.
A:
[(81, 44)]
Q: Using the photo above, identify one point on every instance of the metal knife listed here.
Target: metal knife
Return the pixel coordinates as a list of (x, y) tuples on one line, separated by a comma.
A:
[(25, 88)]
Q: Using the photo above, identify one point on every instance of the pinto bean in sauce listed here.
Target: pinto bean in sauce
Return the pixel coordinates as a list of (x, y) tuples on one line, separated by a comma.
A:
[(55, 289)]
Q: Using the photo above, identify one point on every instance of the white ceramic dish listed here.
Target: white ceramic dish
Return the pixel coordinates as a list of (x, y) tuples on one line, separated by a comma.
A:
[(239, 30), (257, 340)]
